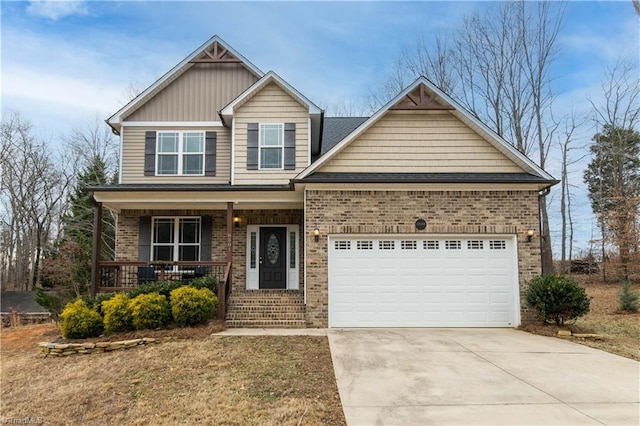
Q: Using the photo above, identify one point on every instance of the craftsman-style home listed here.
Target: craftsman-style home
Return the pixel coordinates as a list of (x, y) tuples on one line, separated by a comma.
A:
[(417, 216)]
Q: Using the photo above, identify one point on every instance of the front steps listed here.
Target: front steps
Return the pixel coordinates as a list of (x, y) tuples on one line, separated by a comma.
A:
[(266, 309)]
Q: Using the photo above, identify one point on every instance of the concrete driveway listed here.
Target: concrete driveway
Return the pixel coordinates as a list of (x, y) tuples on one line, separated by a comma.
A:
[(479, 377)]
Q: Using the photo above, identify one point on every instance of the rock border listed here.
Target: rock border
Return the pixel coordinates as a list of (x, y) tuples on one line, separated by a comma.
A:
[(66, 349)]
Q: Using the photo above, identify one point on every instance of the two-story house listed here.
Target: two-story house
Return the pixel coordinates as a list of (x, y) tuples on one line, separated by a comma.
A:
[(419, 215)]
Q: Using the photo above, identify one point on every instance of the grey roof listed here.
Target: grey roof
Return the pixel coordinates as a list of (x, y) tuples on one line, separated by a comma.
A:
[(22, 301), (334, 129), (426, 178)]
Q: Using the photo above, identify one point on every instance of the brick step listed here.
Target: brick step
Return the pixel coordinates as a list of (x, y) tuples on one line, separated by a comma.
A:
[(265, 316), (254, 308), (265, 324), (265, 304)]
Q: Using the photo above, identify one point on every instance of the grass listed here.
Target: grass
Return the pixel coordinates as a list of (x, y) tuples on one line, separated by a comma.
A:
[(619, 331), (264, 380)]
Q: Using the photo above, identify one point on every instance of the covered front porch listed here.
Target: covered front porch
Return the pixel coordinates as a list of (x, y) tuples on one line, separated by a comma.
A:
[(250, 241)]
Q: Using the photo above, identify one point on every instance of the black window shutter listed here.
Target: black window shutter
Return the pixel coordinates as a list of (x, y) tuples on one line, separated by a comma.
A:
[(144, 239), (206, 225), (252, 146), (210, 154), (290, 146), (150, 153)]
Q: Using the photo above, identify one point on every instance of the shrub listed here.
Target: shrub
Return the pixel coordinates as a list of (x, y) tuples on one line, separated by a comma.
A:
[(149, 311), (95, 303), (208, 281), (557, 298), (161, 287), (78, 321), (191, 306), (117, 314), (628, 298)]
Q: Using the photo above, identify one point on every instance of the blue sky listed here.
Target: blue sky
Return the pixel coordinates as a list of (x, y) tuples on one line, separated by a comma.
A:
[(66, 63)]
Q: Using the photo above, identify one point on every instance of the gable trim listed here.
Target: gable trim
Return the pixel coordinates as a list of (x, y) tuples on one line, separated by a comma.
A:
[(483, 130), (173, 73)]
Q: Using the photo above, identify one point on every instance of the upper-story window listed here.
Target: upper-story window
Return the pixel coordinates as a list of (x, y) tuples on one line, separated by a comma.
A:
[(180, 153), (271, 146)]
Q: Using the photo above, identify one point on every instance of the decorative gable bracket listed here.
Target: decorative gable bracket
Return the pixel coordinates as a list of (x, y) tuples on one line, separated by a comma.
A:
[(215, 54), (420, 99)]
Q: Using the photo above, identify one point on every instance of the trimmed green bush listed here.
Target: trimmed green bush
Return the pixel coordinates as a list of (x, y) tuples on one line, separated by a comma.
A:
[(78, 321), (628, 298), (161, 287), (117, 314), (149, 311), (191, 306), (209, 282), (557, 298)]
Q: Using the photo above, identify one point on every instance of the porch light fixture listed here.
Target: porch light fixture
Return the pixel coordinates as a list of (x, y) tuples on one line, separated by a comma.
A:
[(316, 234), (530, 233), (236, 221)]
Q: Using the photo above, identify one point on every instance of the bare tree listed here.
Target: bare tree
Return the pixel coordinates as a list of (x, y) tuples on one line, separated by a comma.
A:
[(33, 190), (566, 145)]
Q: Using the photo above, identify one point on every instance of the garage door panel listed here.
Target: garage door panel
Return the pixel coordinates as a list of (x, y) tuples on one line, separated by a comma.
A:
[(412, 282)]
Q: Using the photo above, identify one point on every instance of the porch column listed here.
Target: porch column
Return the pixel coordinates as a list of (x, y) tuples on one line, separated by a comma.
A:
[(222, 298), (97, 248)]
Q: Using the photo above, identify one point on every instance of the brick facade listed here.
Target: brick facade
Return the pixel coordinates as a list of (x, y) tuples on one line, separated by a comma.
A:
[(395, 212)]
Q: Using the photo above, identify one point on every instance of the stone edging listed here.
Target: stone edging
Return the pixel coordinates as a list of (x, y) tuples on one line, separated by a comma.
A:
[(66, 349)]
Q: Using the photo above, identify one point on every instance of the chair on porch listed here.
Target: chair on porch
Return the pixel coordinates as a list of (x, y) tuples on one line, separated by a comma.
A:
[(198, 272), (146, 274)]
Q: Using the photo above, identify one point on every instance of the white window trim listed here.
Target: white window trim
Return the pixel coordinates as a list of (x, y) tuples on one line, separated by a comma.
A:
[(176, 236), (253, 274), (180, 152), (260, 146)]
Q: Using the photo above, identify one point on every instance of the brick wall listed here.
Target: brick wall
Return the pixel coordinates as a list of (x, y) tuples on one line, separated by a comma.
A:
[(392, 212)]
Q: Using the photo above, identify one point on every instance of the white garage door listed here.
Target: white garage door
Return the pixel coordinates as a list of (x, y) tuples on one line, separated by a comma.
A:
[(443, 281)]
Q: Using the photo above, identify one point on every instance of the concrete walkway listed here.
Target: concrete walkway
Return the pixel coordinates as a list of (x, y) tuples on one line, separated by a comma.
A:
[(480, 377)]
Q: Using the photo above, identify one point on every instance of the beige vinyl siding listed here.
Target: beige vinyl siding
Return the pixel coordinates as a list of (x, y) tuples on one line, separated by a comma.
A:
[(133, 157), (420, 142), (270, 105), (197, 95)]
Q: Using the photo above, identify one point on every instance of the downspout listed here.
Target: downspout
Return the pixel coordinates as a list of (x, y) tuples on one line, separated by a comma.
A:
[(541, 195)]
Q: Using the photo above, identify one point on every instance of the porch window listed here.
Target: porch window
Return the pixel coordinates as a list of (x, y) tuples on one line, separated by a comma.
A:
[(271, 146), (176, 238), (180, 153)]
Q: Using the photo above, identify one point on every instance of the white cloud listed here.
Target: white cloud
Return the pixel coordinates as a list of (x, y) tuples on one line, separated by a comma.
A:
[(57, 9)]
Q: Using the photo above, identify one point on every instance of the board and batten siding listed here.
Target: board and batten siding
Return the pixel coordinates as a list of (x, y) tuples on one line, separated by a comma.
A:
[(270, 105), (133, 157), (197, 95), (420, 142)]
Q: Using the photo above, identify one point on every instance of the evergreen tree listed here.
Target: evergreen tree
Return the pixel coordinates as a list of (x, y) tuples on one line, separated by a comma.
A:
[(78, 223), (613, 179)]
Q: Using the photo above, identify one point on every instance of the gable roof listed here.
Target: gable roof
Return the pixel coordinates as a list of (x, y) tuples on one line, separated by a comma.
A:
[(440, 100), (271, 77), (222, 53)]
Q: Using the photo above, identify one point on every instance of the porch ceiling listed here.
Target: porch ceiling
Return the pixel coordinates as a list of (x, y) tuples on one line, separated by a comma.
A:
[(198, 200)]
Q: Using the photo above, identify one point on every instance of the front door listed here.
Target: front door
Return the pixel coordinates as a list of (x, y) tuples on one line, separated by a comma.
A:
[(273, 258)]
